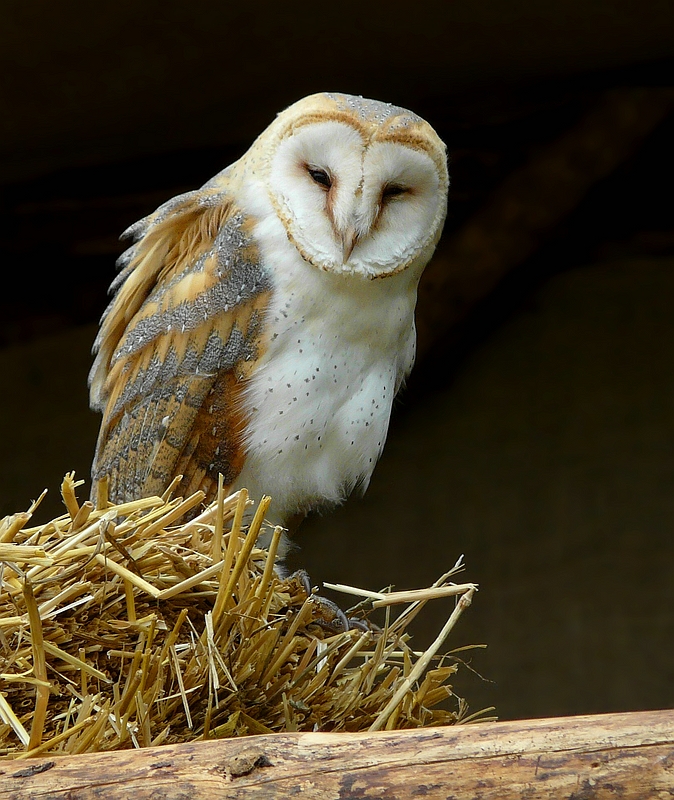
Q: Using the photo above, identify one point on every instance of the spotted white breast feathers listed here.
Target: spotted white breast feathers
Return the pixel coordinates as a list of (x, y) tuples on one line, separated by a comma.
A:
[(262, 325)]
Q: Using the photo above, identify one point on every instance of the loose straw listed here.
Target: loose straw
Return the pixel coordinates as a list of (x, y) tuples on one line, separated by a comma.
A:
[(383, 599), (39, 667), (127, 626), (419, 668)]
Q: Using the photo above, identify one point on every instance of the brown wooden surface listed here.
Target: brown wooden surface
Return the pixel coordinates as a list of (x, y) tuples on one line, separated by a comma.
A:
[(626, 756)]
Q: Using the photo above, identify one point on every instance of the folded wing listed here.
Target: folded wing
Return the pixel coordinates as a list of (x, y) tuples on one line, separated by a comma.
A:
[(180, 337)]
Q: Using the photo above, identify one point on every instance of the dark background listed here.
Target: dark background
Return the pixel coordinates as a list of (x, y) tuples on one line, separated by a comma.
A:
[(536, 435)]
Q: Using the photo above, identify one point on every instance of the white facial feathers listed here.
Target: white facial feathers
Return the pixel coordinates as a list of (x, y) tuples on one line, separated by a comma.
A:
[(317, 214), (402, 206), (354, 203)]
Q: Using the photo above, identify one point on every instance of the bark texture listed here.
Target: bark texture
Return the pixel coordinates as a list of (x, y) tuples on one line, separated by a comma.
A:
[(628, 756)]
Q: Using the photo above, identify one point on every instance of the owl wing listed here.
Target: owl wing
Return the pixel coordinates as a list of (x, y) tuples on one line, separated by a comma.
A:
[(175, 346)]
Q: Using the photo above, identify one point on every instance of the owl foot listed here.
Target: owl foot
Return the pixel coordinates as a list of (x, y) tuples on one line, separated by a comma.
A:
[(328, 614)]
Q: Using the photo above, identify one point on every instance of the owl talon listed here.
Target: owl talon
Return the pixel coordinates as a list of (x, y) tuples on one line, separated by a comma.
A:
[(302, 576), (329, 615), (363, 625)]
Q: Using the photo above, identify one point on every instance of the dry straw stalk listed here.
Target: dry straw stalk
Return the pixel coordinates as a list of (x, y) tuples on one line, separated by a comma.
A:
[(126, 626)]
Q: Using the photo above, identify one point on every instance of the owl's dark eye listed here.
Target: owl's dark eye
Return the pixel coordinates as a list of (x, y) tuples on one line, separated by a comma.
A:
[(320, 176), (393, 190)]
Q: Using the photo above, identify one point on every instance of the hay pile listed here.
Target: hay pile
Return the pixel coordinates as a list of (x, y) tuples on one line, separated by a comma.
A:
[(121, 627)]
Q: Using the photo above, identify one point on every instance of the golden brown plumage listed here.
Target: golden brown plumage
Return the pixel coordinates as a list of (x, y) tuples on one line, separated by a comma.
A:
[(174, 349)]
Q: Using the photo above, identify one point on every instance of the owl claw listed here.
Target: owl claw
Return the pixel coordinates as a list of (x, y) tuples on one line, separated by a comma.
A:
[(328, 614), (302, 576), (362, 625)]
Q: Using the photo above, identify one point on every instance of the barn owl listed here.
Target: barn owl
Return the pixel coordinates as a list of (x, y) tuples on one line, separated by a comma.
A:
[(262, 325)]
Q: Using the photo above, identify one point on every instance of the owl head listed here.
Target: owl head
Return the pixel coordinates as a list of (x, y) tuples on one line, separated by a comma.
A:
[(359, 185)]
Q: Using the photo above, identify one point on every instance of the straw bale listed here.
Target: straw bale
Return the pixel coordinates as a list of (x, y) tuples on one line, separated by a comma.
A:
[(127, 626)]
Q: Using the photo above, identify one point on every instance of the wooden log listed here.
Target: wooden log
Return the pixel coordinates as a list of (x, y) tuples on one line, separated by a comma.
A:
[(628, 756)]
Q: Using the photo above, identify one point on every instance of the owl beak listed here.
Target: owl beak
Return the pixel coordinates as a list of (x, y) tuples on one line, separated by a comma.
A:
[(349, 239)]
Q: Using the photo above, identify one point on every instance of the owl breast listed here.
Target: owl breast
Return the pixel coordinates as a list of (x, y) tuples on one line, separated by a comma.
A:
[(320, 398)]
